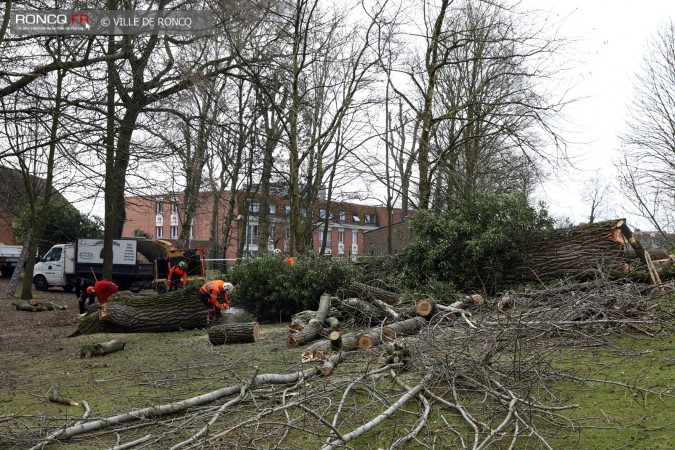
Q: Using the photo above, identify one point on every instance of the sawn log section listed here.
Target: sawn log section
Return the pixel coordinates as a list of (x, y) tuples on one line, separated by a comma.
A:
[(234, 333)]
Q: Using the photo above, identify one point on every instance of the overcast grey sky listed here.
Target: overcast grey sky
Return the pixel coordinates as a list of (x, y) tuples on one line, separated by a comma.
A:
[(610, 42)]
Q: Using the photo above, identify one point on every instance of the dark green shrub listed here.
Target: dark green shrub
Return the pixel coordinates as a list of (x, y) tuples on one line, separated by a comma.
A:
[(473, 244), (270, 289)]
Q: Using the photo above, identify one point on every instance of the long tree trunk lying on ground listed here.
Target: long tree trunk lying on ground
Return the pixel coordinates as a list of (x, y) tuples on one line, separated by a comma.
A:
[(133, 313), (576, 251), (234, 333)]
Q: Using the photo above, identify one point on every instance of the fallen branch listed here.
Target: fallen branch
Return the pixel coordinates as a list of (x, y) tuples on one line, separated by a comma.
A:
[(101, 349), (378, 419)]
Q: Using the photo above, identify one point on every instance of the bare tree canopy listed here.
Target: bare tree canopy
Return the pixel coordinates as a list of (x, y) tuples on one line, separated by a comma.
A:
[(648, 163)]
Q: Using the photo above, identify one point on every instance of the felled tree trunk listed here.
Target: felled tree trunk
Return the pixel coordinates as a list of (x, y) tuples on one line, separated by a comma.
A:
[(104, 348), (235, 333), (369, 339), (576, 251), (134, 313)]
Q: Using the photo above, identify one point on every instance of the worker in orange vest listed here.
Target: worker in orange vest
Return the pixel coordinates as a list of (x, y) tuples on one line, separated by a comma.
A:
[(290, 260), (209, 294), (175, 274)]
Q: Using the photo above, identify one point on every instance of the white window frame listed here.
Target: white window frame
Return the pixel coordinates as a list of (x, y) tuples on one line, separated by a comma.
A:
[(174, 232), (159, 207), (159, 232)]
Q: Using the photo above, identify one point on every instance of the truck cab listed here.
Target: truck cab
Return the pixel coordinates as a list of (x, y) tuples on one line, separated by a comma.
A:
[(54, 267)]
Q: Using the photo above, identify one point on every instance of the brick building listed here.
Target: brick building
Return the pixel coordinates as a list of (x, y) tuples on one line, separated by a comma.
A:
[(375, 241), (159, 217)]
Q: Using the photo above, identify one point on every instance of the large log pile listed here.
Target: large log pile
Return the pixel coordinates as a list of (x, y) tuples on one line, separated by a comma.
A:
[(133, 313)]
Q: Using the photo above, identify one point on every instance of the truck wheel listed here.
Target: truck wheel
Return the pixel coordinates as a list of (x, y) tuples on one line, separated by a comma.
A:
[(68, 287), (41, 283), (161, 288)]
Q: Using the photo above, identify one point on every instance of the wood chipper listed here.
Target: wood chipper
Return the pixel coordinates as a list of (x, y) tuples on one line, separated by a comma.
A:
[(172, 256)]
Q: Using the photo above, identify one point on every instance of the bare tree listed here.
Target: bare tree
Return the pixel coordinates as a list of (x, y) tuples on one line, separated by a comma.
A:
[(648, 165), (595, 193)]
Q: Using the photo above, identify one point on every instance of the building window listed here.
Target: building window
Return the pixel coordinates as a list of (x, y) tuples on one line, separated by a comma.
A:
[(342, 216), (355, 218), (341, 236), (252, 235), (288, 232), (287, 210), (253, 207), (370, 218), (158, 233), (329, 242), (174, 207), (174, 232), (355, 238), (322, 214), (273, 208), (303, 212), (160, 207)]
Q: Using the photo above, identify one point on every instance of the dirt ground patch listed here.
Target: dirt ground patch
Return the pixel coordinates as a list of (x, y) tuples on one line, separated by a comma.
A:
[(27, 335)]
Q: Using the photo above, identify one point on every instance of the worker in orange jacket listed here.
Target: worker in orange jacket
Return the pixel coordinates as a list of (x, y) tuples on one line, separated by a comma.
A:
[(209, 294), (175, 274)]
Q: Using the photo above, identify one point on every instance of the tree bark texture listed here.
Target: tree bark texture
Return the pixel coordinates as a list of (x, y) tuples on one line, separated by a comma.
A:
[(574, 252), (403, 328), (133, 313), (235, 333), (315, 326)]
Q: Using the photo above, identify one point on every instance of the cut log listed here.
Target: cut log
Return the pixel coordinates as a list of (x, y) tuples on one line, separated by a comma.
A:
[(309, 333), (54, 397), (101, 349), (333, 323), (234, 333), (314, 327), (403, 328), (303, 317), (133, 313), (369, 339), (426, 308)]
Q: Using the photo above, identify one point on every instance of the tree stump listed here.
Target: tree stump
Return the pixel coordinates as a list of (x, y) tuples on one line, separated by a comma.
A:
[(104, 348), (234, 333)]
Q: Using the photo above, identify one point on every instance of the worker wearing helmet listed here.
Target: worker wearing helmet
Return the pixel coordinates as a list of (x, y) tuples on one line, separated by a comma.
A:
[(82, 292), (209, 294), (178, 276)]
